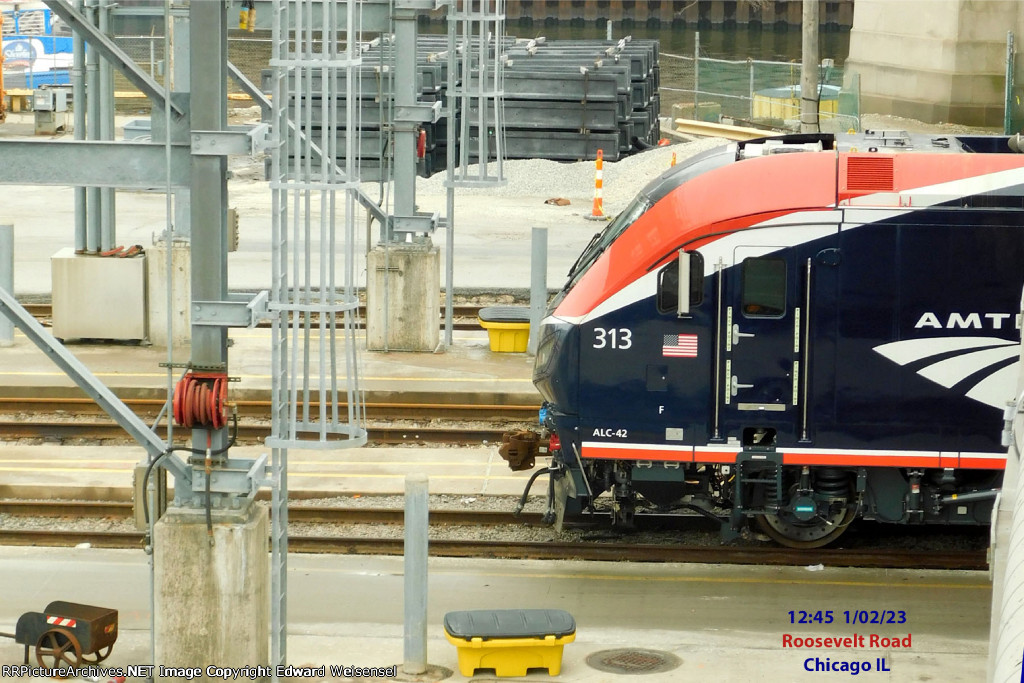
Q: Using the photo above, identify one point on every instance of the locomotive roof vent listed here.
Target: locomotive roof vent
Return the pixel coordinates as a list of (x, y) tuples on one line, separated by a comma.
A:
[(869, 173)]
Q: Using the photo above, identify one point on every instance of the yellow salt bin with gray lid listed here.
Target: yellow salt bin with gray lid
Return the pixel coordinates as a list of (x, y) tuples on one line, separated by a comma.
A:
[(510, 641), (508, 327)]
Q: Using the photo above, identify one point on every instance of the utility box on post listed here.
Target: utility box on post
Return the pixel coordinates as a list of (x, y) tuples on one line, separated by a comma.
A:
[(50, 106)]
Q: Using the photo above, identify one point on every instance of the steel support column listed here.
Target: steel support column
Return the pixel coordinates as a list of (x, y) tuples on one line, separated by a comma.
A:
[(404, 129), (94, 198), (209, 195), (105, 102), (78, 103)]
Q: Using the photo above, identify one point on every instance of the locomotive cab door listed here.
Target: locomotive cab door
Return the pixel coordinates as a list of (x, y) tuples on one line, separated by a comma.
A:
[(767, 301), (760, 346)]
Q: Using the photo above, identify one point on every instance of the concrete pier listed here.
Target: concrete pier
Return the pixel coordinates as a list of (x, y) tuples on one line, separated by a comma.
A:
[(212, 600), (946, 64), (403, 295)]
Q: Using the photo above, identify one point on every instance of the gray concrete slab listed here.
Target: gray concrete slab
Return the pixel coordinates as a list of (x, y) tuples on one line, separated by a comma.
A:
[(467, 372), (724, 623)]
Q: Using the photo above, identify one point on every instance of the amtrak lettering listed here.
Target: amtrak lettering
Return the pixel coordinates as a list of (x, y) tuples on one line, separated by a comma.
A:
[(966, 321)]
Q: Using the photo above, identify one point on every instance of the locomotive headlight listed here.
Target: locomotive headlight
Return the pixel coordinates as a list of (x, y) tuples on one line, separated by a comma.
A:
[(554, 361), (552, 332)]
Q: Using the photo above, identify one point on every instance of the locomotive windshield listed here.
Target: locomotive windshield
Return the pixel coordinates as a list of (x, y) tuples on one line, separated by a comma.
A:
[(600, 241), (654, 192)]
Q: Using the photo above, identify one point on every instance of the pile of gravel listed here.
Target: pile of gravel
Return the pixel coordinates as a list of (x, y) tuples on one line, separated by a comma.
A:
[(575, 180)]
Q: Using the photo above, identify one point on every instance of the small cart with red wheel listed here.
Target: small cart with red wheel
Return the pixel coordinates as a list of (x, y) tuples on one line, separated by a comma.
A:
[(67, 634)]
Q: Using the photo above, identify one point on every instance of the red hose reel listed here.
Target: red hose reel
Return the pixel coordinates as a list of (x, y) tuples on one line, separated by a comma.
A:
[(200, 399)]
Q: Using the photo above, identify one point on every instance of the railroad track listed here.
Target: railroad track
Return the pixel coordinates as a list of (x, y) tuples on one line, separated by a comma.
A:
[(297, 513), (528, 550), (602, 550), (256, 408), (464, 317)]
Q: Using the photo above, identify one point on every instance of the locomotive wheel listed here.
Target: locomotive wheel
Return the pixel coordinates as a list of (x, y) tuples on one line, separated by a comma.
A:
[(793, 533), (58, 649), (98, 656)]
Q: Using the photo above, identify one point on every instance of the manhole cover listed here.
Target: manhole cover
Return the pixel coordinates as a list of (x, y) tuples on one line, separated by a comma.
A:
[(633, 661)]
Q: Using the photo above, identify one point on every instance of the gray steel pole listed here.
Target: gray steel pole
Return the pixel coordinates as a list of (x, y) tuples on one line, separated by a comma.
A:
[(538, 286), (106, 106), (78, 104), (92, 84), (696, 74), (209, 190), (809, 70), (6, 280), (416, 512), (1008, 99), (405, 130)]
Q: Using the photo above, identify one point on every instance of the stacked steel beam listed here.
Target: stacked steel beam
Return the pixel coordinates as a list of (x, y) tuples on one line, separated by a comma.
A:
[(564, 100), (567, 99)]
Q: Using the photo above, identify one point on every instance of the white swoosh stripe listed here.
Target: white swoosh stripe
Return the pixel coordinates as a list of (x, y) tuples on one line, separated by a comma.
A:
[(953, 370), (908, 351), (997, 389)]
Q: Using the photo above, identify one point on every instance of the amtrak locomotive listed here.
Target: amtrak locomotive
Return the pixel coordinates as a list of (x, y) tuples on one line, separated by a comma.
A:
[(795, 331)]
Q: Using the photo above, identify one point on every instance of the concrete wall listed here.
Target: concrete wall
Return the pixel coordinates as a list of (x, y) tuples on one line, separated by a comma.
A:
[(941, 60)]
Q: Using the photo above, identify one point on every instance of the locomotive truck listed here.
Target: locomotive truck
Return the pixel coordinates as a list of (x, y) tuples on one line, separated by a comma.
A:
[(795, 332)]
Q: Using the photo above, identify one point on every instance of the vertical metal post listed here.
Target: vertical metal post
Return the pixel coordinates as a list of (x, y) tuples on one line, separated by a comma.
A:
[(751, 63), (6, 280), (1008, 99), (208, 41), (78, 104), (809, 70), (696, 73), (608, 30), (92, 85), (405, 130), (105, 101), (538, 285), (416, 521)]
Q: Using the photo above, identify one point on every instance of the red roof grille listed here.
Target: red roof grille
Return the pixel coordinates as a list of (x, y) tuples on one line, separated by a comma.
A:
[(869, 174)]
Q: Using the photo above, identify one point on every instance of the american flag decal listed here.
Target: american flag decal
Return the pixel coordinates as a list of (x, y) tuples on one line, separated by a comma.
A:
[(679, 345)]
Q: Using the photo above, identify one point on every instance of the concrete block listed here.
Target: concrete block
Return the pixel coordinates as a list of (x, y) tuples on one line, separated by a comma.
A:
[(181, 274), (212, 601), (98, 298), (403, 297)]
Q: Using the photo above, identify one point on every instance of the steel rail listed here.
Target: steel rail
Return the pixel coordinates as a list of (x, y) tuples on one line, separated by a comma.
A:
[(297, 513), (605, 552), (382, 410)]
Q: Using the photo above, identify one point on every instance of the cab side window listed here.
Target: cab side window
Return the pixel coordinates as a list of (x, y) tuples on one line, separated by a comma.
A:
[(764, 287), (668, 284)]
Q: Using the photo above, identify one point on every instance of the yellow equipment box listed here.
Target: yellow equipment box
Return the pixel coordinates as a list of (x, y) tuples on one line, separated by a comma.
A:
[(508, 327), (510, 641)]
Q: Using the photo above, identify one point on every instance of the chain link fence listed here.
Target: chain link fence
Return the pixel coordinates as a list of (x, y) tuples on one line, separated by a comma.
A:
[(250, 54), (752, 91)]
